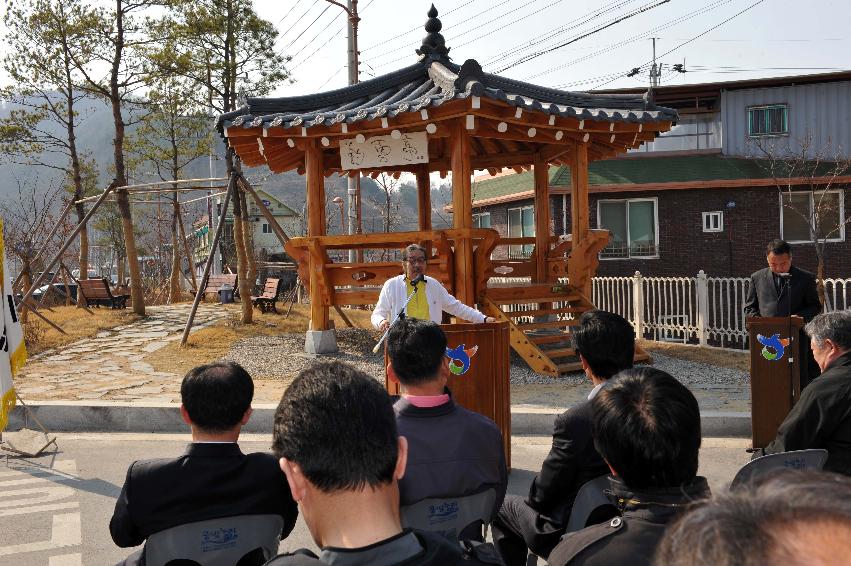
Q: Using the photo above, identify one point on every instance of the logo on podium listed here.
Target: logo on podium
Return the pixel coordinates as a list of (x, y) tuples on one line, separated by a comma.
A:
[(773, 346), (459, 359)]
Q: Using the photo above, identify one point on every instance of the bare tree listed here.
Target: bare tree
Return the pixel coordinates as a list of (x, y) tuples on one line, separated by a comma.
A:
[(809, 180), (28, 219)]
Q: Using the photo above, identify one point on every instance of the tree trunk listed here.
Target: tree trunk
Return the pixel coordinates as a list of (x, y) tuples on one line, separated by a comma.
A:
[(248, 241), (84, 262), (820, 279), (26, 283), (239, 249), (121, 270), (174, 278)]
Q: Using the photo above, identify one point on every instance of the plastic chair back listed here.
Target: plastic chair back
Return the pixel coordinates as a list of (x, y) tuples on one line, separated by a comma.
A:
[(450, 515), (812, 459), (215, 542), (591, 500)]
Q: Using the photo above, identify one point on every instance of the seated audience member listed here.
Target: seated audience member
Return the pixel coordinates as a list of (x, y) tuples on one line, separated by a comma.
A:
[(451, 451), (605, 343), (789, 517), (647, 428), (213, 478), (822, 416), (335, 435)]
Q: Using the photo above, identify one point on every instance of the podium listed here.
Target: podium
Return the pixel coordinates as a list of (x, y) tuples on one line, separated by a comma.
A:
[(775, 366), (484, 387)]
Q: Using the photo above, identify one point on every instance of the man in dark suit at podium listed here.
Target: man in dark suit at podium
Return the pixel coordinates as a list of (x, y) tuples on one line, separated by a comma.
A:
[(782, 289)]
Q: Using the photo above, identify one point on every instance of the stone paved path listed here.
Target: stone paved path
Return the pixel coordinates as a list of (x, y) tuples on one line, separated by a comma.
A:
[(109, 366)]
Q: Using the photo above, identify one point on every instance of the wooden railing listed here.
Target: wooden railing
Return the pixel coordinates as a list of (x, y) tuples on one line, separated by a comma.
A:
[(347, 283)]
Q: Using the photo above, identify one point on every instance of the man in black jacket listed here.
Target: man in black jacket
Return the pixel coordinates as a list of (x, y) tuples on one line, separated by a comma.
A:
[(213, 478), (606, 345), (647, 427), (782, 289), (822, 416), (335, 434), (452, 452)]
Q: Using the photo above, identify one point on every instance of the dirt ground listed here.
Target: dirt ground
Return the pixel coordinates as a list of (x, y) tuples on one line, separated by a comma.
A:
[(714, 356), (77, 324), (213, 342)]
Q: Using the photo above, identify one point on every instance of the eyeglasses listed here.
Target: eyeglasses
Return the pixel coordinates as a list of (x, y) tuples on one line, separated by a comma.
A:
[(416, 260)]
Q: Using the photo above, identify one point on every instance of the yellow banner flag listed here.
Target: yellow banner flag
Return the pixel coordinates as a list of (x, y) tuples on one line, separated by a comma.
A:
[(13, 352)]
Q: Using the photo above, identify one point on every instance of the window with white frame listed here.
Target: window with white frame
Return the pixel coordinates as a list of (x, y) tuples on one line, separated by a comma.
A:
[(266, 228), (482, 220), (713, 221), (633, 225), (799, 211), (767, 120), (521, 224)]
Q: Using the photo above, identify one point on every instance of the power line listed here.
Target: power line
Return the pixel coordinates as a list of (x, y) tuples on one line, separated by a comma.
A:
[(328, 42), (320, 32), (473, 17), (453, 38), (322, 13), (532, 56), (642, 35), (290, 11), (701, 34), (299, 19), (412, 30), (527, 45)]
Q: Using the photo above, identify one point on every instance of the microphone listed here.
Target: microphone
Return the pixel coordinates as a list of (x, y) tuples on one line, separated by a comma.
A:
[(418, 279)]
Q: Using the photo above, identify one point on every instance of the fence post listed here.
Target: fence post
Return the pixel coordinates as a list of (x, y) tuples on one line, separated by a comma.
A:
[(702, 307), (638, 305)]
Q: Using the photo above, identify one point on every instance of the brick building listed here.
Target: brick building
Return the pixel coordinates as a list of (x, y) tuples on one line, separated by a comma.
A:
[(696, 198)]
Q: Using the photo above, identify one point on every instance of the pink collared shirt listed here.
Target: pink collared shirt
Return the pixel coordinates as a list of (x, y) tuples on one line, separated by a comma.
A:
[(427, 401)]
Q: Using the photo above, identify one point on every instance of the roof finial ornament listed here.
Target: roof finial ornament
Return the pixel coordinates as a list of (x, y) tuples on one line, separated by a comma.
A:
[(433, 42)]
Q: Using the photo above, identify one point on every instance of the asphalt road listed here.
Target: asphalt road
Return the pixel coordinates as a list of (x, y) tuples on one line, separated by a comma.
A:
[(55, 509)]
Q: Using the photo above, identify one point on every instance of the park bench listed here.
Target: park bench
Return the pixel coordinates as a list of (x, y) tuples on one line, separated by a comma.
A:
[(266, 300), (97, 292), (215, 282)]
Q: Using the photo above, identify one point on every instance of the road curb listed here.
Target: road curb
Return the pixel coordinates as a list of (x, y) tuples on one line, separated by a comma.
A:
[(138, 417)]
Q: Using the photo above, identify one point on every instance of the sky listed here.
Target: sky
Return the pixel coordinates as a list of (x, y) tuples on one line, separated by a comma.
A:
[(753, 38), (716, 40)]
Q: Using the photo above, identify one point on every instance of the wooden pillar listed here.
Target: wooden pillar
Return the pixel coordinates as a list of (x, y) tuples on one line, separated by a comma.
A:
[(424, 198), (579, 268), (315, 173), (542, 217), (424, 205), (462, 211), (579, 223)]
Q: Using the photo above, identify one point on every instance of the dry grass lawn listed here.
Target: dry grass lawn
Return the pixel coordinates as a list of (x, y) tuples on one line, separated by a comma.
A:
[(713, 356), (77, 323), (211, 343)]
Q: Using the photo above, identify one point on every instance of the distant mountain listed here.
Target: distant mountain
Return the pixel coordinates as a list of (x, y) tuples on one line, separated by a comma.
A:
[(95, 135)]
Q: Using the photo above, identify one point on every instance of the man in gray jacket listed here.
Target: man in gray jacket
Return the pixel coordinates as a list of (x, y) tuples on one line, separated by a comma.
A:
[(451, 451)]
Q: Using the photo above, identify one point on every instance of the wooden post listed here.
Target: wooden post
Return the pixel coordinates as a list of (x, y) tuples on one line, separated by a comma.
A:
[(315, 173), (462, 211), (578, 267), (199, 292), (579, 224), (424, 198), (542, 217), (424, 204)]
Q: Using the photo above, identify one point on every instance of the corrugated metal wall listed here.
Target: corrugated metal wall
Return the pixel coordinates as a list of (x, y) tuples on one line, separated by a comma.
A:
[(824, 110)]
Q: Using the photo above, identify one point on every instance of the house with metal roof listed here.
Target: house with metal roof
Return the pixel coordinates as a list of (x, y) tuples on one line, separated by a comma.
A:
[(702, 196)]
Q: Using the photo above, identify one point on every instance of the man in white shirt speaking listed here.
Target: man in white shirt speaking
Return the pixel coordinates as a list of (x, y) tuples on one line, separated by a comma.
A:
[(429, 301)]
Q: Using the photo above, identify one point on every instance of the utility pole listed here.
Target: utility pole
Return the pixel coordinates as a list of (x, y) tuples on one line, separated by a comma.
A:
[(655, 71), (353, 201)]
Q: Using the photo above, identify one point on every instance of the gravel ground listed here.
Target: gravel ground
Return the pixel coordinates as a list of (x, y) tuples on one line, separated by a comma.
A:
[(282, 357)]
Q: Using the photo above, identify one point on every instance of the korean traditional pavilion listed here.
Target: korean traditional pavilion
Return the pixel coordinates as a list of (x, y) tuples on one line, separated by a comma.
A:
[(437, 116)]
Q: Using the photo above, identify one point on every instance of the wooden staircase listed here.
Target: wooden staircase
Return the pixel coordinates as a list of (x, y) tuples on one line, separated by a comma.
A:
[(545, 341)]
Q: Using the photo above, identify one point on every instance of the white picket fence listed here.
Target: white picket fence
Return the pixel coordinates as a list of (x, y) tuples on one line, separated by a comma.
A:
[(703, 310)]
